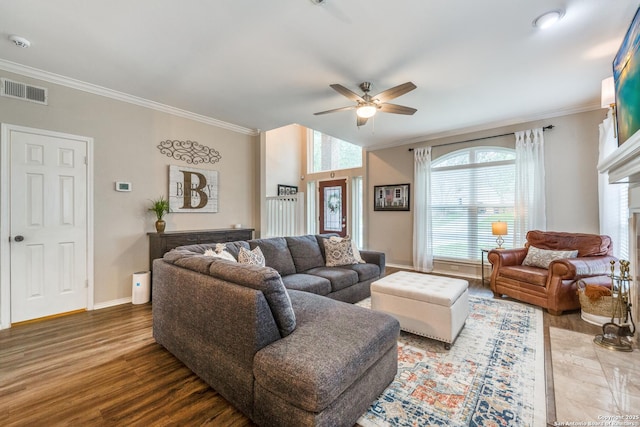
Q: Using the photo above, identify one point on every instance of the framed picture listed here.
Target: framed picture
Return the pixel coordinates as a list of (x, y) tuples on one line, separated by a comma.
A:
[(394, 197), (287, 190), (192, 190)]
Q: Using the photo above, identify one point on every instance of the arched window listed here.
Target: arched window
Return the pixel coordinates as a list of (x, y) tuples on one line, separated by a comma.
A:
[(470, 189)]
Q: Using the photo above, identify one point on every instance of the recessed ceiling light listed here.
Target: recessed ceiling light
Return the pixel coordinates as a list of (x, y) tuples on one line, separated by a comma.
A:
[(547, 19), (20, 41)]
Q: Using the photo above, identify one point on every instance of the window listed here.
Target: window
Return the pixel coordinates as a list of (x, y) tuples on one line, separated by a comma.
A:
[(470, 189), (329, 153)]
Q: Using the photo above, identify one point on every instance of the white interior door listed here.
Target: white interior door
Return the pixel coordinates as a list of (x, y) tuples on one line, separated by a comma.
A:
[(48, 224)]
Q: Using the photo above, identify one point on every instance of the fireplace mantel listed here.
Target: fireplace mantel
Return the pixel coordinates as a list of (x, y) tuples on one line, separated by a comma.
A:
[(623, 165)]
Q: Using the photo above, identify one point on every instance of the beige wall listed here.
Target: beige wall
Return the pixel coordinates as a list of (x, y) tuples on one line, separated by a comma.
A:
[(125, 140), (283, 157), (571, 155)]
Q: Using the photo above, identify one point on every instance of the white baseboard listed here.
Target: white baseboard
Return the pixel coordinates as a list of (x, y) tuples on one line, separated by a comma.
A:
[(111, 303), (404, 267), (438, 270)]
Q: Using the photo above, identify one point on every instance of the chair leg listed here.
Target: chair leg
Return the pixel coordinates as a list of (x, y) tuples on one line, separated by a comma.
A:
[(554, 312), (497, 294)]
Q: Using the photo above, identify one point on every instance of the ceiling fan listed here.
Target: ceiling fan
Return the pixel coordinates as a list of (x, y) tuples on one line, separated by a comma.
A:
[(367, 105)]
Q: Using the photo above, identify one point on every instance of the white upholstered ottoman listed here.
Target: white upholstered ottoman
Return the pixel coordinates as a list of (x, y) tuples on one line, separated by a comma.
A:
[(424, 304)]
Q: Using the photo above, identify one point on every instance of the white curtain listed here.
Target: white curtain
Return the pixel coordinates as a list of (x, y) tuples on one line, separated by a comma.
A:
[(613, 198), (530, 187), (422, 231)]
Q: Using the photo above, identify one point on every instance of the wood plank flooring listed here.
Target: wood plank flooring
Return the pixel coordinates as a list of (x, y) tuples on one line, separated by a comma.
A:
[(103, 368)]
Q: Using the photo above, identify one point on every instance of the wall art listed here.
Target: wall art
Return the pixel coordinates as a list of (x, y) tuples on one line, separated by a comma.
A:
[(287, 190), (189, 151), (391, 197), (192, 190)]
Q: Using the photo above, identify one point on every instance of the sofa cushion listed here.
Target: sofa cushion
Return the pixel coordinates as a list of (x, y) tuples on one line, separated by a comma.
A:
[(308, 283), (365, 271), (340, 278), (305, 252), (276, 254), (265, 279), (586, 244), (191, 260), (542, 257), (334, 344)]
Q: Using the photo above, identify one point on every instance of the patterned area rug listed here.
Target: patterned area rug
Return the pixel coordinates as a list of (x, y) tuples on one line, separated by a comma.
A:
[(492, 376)]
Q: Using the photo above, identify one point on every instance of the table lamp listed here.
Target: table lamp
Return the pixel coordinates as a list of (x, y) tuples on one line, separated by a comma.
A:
[(499, 229)]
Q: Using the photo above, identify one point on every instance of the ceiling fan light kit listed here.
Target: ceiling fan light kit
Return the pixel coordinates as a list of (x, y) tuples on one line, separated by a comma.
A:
[(366, 111), (367, 105)]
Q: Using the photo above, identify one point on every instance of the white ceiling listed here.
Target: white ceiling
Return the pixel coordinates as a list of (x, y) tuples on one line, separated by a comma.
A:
[(269, 63)]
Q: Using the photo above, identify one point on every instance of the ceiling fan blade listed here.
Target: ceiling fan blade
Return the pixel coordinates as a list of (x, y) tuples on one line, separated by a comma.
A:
[(335, 110), (346, 92), (361, 121), (395, 92), (397, 109)]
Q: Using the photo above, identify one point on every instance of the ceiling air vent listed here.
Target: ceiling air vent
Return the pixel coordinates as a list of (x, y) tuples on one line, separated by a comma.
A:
[(23, 91)]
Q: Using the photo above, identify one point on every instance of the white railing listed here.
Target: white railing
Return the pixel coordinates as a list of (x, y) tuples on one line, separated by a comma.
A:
[(285, 215)]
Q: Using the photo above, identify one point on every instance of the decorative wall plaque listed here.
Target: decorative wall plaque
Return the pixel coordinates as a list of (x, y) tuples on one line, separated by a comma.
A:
[(192, 190), (189, 151)]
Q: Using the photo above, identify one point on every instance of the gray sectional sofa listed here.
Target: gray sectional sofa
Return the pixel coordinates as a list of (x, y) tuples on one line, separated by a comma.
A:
[(274, 340)]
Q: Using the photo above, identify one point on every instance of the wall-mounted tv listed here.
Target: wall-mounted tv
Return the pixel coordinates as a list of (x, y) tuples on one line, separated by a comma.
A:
[(626, 77)]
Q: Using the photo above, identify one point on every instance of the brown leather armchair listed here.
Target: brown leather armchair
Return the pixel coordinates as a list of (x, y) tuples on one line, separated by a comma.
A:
[(554, 288)]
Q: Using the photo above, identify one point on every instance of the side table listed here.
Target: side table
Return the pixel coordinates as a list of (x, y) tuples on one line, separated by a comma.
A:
[(483, 252)]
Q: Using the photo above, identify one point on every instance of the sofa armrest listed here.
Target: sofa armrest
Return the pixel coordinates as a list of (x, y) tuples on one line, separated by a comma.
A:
[(577, 268), (374, 257), (506, 257)]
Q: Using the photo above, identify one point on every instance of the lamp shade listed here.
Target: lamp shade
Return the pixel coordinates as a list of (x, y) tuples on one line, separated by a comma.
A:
[(499, 228), (607, 94)]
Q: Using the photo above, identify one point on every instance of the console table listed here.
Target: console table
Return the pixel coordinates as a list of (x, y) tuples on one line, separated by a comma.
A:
[(159, 243)]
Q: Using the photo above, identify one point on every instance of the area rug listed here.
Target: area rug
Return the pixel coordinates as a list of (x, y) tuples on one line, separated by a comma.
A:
[(492, 376)]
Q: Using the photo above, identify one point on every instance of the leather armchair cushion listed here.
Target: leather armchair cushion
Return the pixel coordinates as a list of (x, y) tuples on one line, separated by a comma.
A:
[(534, 275)]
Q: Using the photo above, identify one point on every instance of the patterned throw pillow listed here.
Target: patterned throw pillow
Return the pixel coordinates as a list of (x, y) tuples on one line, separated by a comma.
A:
[(253, 257), (537, 257), (354, 248), (338, 252)]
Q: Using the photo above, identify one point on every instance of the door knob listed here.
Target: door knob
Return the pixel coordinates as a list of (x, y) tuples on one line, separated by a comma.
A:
[(18, 238)]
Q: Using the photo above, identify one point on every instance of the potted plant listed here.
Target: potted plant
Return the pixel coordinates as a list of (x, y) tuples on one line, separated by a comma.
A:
[(160, 206)]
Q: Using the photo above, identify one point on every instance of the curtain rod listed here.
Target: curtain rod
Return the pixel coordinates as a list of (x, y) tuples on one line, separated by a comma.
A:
[(549, 127)]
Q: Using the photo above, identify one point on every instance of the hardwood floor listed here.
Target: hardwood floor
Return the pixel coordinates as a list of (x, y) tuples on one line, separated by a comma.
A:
[(103, 368)]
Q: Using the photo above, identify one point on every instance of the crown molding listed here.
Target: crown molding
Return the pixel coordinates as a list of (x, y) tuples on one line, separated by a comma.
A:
[(58, 79)]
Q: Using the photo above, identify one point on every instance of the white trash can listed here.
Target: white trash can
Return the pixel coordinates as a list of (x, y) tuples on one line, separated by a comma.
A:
[(141, 287)]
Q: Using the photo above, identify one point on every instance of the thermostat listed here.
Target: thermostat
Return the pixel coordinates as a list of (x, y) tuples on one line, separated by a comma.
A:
[(123, 186)]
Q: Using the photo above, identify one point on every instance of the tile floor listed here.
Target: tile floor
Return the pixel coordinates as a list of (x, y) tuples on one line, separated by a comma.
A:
[(594, 384)]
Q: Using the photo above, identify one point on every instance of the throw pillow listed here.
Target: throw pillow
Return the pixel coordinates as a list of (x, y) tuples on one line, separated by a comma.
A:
[(338, 252), (222, 254), (537, 257), (253, 257), (354, 248)]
